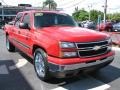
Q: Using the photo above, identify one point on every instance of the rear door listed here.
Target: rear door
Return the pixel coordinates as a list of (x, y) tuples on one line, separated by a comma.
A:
[(15, 29)]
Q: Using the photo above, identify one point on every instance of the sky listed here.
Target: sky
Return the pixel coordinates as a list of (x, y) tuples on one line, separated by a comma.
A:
[(69, 5)]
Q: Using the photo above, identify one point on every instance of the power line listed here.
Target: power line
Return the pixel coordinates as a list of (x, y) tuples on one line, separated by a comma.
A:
[(74, 5), (4, 2), (115, 8), (67, 3), (94, 4)]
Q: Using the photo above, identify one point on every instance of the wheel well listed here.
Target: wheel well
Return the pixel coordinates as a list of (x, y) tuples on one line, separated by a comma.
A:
[(36, 47), (6, 34)]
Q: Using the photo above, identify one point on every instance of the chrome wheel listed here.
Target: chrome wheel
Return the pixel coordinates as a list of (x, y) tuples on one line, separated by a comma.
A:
[(10, 47), (39, 64)]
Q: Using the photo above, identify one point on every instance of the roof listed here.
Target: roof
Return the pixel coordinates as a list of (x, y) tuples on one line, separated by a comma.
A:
[(43, 11)]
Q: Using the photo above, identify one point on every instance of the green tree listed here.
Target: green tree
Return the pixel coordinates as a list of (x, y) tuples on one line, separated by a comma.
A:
[(94, 15), (80, 15), (51, 3), (114, 17)]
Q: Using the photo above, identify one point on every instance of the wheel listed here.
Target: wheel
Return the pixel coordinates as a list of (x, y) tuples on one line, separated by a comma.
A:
[(9, 45), (40, 64)]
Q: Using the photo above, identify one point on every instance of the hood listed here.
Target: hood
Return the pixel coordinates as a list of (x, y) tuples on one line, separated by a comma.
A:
[(74, 34)]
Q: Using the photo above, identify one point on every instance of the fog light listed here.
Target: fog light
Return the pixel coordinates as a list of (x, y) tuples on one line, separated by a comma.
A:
[(69, 54)]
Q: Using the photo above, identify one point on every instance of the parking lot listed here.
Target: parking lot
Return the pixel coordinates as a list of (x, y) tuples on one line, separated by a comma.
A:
[(17, 73)]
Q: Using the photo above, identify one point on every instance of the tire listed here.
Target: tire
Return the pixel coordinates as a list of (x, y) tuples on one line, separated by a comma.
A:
[(10, 47), (40, 64)]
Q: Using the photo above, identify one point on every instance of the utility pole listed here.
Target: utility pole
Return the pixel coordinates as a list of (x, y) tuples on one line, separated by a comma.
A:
[(105, 11), (89, 6)]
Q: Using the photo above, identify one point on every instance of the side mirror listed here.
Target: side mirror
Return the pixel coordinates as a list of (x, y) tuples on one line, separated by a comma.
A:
[(24, 26), (11, 23)]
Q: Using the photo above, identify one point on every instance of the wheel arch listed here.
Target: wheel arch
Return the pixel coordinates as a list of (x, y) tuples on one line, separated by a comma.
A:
[(36, 47), (7, 34)]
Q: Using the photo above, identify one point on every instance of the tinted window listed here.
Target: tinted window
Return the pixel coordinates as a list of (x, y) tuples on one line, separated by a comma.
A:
[(51, 19), (26, 18)]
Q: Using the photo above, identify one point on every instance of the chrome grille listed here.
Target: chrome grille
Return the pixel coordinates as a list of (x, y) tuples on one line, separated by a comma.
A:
[(92, 48)]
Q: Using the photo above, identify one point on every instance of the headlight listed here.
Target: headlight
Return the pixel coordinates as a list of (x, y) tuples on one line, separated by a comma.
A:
[(69, 54), (67, 45)]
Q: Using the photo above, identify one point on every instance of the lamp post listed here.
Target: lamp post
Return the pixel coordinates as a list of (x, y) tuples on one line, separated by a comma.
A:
[(89, 6), (105, 11), (2, 12)]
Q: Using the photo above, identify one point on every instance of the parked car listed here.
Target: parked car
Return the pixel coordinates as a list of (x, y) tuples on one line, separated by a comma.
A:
[(105, 26), (57, 45), (89, 25), (116, 27)]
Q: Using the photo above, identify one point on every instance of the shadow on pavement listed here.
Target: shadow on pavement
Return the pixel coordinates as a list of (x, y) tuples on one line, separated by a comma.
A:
[(13, 79), (107, 74), (25, 56), (85, 82), (81, 82)]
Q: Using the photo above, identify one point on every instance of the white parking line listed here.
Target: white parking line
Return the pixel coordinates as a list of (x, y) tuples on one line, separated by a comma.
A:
[(116, 48), (102, 87), (87, 83), (21, 63), (3, 69), (60, 88)]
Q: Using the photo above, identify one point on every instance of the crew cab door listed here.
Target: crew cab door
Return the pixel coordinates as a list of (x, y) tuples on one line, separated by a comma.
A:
[(15, 30), (25, 34)]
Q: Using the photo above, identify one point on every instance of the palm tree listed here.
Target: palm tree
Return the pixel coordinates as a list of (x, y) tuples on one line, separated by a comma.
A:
[(52, 4)]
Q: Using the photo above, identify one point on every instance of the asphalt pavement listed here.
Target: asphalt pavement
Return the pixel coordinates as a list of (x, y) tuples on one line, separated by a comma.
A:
[(17, 73)]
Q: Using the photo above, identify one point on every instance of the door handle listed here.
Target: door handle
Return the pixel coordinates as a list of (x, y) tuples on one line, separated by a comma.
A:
[(27, 36)]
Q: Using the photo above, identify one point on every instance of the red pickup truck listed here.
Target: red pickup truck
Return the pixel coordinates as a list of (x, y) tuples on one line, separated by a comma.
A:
[(57, 45)]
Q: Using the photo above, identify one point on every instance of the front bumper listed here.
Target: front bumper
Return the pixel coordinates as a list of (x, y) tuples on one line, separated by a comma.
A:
[(64, 70)]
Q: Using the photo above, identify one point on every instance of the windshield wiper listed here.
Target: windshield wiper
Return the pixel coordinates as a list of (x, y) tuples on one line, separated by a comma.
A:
[(57, 25)]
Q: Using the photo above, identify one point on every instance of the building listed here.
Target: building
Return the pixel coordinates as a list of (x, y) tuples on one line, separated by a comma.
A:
[(11, 11), (7, 13)]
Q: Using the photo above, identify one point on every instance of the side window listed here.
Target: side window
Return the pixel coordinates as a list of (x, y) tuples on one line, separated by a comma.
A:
[(17, 19), (26, 19)]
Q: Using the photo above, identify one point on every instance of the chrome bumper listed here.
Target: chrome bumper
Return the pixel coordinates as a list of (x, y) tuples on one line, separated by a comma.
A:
[(62, 68), (83, 65)]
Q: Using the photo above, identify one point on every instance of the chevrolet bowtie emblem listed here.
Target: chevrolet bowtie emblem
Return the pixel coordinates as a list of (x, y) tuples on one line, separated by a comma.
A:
[(96, 48)]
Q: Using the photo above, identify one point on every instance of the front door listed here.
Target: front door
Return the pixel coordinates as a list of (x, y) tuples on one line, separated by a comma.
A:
[(25, 34)]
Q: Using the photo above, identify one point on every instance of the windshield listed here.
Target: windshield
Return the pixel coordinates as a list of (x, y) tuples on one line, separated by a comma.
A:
[(52, 19)]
